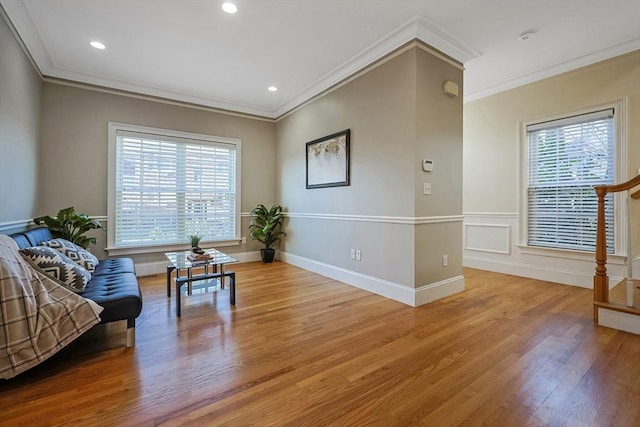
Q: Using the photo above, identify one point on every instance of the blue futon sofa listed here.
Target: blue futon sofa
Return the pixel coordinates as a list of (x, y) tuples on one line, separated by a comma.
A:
[(113, 284)]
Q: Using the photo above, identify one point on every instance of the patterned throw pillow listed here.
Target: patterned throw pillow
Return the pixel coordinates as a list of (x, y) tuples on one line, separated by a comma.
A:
[(80, 256), (58, 266)]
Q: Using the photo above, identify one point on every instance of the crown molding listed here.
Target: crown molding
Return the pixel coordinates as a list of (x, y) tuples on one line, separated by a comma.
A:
[(156, 92), (417, 28), (556, 69), (168, 101), (14, 31)]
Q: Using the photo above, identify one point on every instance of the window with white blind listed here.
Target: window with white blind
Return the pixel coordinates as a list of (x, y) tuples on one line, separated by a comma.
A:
[(566, 159), (168, 185)]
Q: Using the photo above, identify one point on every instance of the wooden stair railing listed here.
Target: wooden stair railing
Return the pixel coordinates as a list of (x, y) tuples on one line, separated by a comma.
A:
[(600, 279)]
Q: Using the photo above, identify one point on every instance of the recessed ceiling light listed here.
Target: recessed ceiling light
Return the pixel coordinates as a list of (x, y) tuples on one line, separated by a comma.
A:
[(272, 89), (229, 7), (98, 45)]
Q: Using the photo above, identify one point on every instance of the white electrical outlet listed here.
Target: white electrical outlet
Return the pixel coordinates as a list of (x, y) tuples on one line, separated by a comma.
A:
[(358, 255), (353, 253), (445, 260)]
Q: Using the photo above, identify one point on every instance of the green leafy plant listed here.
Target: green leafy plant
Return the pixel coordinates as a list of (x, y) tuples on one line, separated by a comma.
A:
[(265, 225), (194, 239), (71, 226)]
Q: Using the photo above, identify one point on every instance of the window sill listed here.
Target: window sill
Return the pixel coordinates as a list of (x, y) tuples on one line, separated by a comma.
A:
[(570, 254), (137, 250)]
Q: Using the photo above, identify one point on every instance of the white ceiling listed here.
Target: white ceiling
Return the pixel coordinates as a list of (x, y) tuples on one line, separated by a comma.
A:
[(190, 50)]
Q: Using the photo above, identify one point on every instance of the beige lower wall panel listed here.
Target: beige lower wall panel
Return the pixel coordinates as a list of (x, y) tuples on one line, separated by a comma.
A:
[(386, 249), (432, 241)]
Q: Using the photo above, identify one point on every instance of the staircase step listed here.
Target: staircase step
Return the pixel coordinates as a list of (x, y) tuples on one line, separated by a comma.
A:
[(618, 307)]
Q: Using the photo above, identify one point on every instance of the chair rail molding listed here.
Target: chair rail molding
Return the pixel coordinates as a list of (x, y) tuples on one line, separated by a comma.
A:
[(408, 220), (11, 225)]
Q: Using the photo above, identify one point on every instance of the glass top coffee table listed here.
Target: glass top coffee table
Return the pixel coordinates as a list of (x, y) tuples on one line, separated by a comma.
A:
[(213, 268)]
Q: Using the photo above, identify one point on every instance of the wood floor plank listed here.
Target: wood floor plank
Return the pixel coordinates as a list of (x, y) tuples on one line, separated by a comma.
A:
[(301, 349)]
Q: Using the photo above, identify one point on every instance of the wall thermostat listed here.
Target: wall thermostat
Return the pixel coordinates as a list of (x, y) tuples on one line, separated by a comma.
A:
[(427, 165)]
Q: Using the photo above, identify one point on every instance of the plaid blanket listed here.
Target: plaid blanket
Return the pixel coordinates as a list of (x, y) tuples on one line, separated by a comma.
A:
[(38, 316)]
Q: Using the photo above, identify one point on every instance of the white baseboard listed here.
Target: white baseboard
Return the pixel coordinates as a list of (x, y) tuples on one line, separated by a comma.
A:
[(565, 277), (395, 291), (158, 267), (428, 293), (617, 320)]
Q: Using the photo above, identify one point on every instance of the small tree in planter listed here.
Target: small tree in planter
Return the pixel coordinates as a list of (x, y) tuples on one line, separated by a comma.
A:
[(265, 227), (71, 226)]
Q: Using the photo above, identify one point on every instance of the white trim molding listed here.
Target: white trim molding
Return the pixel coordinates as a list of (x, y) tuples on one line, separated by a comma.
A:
[(407, 295), (435, 291), (407, 220), (25, 223), (490, 215), (11, 225)]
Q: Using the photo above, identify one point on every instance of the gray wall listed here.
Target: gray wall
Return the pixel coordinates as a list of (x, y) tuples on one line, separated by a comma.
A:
[(20, 87), (438, 138), (398, 115), (73, 154)]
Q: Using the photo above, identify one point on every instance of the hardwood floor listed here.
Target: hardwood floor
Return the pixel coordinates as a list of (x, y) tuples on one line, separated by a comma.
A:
[(300, 349)]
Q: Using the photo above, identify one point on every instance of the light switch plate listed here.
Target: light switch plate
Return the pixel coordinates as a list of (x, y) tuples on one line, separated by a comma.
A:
[(427, 188)]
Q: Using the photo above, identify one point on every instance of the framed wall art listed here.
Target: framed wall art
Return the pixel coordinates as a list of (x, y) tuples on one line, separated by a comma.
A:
[(328, 161)]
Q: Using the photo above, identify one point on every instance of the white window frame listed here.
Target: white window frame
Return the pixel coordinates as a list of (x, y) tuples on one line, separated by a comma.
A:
[(114, 127), (620, 172)]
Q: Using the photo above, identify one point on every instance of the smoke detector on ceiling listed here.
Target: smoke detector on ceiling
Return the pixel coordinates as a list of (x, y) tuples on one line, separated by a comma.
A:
[(527, 35)]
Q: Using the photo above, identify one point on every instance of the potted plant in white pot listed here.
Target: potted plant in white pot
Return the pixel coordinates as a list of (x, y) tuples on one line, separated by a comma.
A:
[(265, 227)]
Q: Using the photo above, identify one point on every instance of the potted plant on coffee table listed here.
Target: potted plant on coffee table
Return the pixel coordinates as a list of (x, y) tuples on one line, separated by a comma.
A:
[(265, 227), (194, 240)]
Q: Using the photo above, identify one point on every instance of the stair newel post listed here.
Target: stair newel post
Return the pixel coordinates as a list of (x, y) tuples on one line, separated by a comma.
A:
[(630, 290), (600, 280)]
